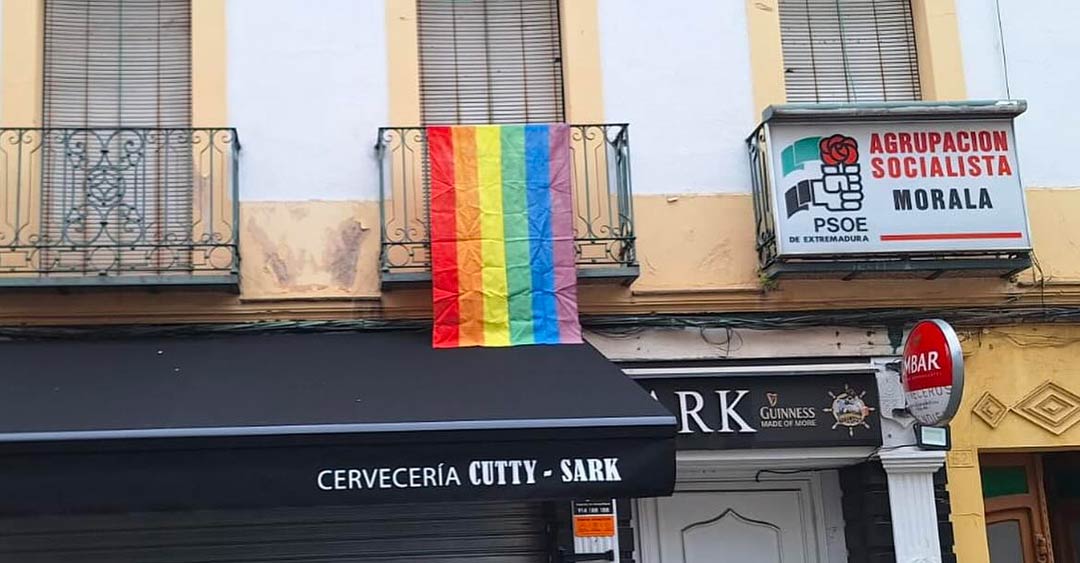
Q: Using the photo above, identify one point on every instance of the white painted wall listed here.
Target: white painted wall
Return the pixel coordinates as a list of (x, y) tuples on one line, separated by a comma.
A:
[(683, 83), (307, 91), (1041, 45)]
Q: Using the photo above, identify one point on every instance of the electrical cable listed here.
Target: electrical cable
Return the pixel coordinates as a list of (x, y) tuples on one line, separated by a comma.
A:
[(1004, 54), (622, 326)]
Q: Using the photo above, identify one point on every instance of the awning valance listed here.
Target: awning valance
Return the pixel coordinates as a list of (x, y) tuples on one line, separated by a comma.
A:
[(319, 419)]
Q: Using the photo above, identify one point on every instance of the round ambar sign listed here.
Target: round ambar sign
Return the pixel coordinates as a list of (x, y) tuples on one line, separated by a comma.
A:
[(933, 372)]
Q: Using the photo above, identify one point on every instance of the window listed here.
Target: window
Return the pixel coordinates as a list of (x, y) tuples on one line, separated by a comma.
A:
[(117, 180), (490, 61), (849, 51), (112, 63)]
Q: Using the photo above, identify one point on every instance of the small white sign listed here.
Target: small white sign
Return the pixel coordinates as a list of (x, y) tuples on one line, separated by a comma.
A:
[(896, 187)]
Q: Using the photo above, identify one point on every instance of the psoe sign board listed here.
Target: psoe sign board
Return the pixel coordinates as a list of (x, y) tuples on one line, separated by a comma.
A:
[(886, 187), (932, 372)]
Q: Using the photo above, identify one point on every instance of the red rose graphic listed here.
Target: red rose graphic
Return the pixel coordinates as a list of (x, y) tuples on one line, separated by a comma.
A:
[(839, 149)]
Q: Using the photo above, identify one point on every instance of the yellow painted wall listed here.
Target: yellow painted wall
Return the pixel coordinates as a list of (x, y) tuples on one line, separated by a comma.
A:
[(766, 56), (582, 74), (1009, 373), (937, 38), (403, 65), (209, 73), (319, 259), (22, 49), (696, 254)]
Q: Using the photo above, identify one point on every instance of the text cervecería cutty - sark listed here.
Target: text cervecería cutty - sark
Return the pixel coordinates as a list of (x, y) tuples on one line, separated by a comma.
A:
[(478, 473)]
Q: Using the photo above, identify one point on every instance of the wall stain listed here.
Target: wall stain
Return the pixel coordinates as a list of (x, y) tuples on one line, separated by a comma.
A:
[(718, 255), (343, 251), (298, 213), (272, 261), (648, 265), (277, 267)]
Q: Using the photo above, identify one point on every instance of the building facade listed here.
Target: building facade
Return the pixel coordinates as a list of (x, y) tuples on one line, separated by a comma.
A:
[(183, 168)]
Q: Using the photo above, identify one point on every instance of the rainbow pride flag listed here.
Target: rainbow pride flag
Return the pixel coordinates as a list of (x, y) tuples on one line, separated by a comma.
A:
[(502, 242)]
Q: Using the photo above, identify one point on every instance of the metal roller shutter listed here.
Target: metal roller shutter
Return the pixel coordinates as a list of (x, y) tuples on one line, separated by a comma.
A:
[(490, 61), (117, 180), (430, 533), (849, 51)]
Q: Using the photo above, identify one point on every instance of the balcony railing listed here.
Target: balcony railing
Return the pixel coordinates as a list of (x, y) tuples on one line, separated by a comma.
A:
[(600, 180), (121, 206)]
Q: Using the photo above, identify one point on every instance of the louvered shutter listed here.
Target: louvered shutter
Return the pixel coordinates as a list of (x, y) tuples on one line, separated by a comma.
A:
[(117, 63), (118, 185), (849, 50), (429, 533), (490, 61)]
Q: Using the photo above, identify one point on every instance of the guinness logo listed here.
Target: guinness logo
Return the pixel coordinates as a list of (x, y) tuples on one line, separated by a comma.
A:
[(849, 410), (772, 397)]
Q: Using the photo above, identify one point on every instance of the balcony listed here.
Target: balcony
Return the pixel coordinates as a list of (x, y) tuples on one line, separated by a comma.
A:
[(119, 207), (600, 180), (898, 190)]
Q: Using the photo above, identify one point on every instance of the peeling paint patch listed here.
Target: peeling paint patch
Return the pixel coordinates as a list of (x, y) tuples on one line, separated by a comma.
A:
[(310, 249)]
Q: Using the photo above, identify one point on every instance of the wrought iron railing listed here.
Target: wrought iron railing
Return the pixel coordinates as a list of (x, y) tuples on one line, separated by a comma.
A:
[(602, 206), (118, 206), (764, 223)]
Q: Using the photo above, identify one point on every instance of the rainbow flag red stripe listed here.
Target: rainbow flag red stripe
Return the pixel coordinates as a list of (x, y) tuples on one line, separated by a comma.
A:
[(502, 242)]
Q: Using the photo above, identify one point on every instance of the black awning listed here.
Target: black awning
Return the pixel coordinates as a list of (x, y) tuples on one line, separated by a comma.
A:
[(319, 419)]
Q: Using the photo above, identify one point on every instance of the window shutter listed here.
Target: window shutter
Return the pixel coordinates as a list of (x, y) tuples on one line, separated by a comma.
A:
[(118, 171), (111, 63), (490, 61), (849, 51)]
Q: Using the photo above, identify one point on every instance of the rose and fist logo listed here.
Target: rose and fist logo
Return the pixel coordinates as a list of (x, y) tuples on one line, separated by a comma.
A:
[(839, 149), (840, 187)]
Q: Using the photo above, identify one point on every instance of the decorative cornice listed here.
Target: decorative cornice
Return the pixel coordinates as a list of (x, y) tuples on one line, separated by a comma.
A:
[(911, 460)]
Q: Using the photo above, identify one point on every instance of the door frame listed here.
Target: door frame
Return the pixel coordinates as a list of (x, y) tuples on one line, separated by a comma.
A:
[(1061, 511), (818, 488), (1033, 503)]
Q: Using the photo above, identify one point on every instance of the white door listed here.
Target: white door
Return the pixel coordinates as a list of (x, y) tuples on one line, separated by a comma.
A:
[(764, 526)]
